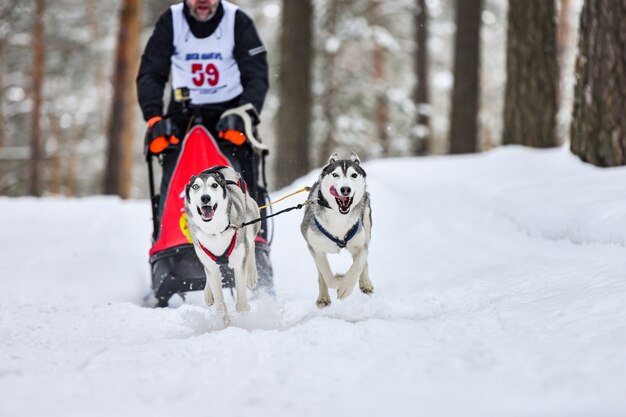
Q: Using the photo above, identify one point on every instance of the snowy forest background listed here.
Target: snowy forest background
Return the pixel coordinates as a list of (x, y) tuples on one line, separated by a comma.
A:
[(499, 273), (62, 71)]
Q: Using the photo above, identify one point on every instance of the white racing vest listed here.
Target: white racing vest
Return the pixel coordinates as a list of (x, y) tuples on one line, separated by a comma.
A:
[(206, 66)]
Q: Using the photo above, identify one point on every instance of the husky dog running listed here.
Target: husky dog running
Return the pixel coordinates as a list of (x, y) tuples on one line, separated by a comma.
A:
[(215, 201), (339, 217)]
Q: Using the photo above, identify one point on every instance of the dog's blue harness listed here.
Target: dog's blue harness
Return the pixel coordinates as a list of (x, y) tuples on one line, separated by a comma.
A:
[(339, 242)]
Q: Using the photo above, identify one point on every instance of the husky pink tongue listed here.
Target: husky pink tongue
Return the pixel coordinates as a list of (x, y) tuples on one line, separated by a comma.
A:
[(334, 193), (207, 212)]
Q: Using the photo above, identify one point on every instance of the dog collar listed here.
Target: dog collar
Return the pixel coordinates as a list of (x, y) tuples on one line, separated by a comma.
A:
[(339, 242), (223, 258)]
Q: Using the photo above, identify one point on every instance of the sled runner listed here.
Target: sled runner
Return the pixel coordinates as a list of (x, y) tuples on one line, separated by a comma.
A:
[(175, 268)]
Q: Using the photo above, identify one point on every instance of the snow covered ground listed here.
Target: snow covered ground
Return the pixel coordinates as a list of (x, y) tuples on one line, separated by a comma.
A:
[(500, 291)]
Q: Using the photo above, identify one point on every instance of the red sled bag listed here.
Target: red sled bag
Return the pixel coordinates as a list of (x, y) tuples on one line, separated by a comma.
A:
[(174, 265)]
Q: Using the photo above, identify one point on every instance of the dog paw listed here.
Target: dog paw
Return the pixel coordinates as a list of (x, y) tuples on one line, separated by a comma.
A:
[(223, 312), (367, 289), (322, 302), (242, 308), (343, 291)]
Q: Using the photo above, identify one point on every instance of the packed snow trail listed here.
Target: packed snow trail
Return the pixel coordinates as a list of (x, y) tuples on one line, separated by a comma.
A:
[(499, 281)]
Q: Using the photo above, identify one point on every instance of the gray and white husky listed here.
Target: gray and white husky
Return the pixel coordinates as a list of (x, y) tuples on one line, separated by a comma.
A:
[(215, 201), (339, 217)]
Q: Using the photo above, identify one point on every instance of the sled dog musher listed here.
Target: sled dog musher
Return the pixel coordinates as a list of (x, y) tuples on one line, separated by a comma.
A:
[(219, 80)]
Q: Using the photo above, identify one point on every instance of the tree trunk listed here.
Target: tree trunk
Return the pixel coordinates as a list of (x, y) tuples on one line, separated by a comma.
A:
[(381, 113), (2, 119), (598, 133), (95, 38), (55, 161), (564, 32), (75, 134), (465, 93), (117, 178), (531, 94), (329, 78), (294, 114), (421, 145), (36, 145)]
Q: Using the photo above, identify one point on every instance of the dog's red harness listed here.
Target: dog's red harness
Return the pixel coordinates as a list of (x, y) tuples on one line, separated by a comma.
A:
[(222, 259)]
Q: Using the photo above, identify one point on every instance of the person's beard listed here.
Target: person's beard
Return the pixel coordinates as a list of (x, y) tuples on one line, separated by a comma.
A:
[(211, 13)]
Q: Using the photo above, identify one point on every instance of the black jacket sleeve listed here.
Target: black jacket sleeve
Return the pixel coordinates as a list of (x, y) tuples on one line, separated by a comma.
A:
[(154, 69), (251, 59)]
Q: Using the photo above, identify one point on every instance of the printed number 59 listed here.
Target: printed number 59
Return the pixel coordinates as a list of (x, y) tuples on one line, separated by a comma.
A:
[(210, 73)]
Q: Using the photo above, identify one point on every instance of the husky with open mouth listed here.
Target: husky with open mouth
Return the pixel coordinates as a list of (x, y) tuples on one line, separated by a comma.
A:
[(339, 217), (215, 202)]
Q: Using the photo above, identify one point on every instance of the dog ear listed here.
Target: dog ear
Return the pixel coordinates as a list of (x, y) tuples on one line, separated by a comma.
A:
[(355, 158), (333, 158), (221, 180), (188, 187)]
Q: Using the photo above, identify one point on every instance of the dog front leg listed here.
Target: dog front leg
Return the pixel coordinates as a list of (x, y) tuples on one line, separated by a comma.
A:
[(323, 268), (324, 298), (250, 268), (364, 281), (214, 282), (208, 294), (240, 286), (346, 285)]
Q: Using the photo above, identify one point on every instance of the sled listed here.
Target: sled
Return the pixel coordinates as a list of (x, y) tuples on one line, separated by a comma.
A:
[(174, 266)]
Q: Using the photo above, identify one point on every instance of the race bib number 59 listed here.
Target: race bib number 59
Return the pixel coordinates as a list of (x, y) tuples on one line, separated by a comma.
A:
[(205, 74)]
